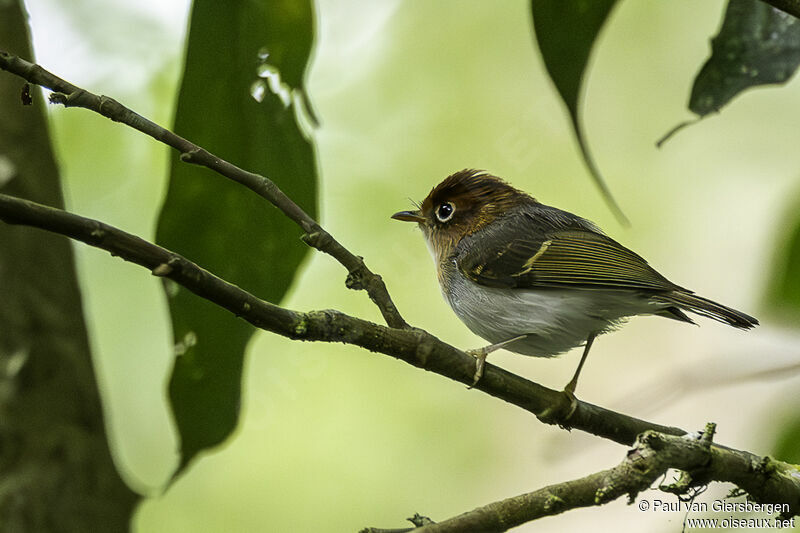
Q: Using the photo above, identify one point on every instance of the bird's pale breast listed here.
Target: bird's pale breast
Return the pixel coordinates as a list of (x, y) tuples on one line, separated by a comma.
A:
[(555, 320)]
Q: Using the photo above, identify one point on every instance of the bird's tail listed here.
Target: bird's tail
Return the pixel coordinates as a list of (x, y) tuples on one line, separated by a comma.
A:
[(708, 308)]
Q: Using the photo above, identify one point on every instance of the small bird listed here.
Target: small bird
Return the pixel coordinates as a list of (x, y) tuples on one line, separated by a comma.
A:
[(536, 280)]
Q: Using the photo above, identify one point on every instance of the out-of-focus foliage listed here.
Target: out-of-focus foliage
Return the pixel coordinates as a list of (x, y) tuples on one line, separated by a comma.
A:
[(756, 45), (244, 62), (787, 446), (783, 296), (55, 463)]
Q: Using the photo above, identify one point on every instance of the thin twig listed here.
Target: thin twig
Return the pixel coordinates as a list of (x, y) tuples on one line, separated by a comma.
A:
[(69, 95)]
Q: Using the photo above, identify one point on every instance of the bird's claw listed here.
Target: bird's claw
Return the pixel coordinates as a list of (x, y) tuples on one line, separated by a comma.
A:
[(561, 410), (480, 355)]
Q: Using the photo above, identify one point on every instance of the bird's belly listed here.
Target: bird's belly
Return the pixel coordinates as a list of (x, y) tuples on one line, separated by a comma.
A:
[(554, 320)]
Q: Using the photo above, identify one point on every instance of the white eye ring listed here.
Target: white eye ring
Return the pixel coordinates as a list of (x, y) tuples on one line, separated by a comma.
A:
[(445, 211)]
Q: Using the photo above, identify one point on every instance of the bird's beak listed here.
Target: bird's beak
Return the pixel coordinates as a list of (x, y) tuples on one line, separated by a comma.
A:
[(409, 216)]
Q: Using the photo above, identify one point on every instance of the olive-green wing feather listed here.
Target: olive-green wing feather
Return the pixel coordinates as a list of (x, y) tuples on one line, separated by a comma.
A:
[(550, 248), (524, 254)]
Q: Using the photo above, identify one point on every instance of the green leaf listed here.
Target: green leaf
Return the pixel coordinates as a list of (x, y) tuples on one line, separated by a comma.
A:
[(566, 31), (787, 446), (757, 45), (783, 296), (235, 50)]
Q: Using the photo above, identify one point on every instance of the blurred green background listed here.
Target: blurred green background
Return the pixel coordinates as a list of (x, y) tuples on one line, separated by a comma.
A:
[(334, 438)]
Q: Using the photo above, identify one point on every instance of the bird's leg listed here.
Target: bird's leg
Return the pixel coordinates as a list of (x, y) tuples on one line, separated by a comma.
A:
[(480, 355), (570, 388), (560, 412)]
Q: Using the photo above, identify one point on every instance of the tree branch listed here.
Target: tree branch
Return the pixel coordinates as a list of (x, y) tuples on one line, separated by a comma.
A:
[(652, 456), (69, 95), (414, 346), (765, 479)]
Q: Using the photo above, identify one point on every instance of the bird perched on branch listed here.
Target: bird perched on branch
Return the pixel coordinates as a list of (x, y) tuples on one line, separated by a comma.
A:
[(536, 280)]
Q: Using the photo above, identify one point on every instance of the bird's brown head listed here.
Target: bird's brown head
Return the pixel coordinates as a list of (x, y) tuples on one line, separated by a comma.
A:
[(462, 204)]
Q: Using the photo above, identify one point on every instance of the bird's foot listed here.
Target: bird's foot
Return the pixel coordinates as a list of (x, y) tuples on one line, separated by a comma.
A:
[(560, 411), (480, 355)]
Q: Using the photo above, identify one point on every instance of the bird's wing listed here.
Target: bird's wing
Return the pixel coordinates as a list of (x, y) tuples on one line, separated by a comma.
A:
[(524, 253)]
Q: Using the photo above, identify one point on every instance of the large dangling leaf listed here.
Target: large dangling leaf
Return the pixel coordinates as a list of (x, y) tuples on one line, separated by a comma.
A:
[(566, 31), (244, 74), (756, 45)]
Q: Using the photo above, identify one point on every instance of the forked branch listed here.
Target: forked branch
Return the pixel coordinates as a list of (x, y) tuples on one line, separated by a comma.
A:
[(69, 95)]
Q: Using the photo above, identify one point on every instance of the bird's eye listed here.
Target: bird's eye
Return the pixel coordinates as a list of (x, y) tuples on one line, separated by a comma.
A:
[(445, 211)]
